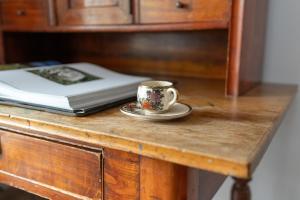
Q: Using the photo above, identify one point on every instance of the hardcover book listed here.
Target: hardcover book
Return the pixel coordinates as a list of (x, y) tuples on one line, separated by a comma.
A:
[(73, 89)]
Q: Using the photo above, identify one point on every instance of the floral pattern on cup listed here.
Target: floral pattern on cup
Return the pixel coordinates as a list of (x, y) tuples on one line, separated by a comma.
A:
[(156, 96), (153, 100)]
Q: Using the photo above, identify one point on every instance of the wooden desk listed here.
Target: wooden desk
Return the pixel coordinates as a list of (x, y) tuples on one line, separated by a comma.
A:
[(111, 156)]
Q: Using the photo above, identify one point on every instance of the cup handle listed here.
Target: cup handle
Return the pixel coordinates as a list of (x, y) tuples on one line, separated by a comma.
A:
[(175, 96)]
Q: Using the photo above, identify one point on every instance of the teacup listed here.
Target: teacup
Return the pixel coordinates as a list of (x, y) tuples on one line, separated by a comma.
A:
[(156, 96)]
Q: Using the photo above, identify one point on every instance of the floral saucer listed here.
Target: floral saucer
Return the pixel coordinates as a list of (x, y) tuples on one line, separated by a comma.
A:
[(178, 110)]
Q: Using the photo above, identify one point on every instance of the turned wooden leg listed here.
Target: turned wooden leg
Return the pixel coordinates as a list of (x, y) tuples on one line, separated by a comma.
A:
[(240, 189)]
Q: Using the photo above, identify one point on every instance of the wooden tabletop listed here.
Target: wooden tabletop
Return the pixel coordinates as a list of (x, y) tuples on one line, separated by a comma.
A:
[(223, 135)]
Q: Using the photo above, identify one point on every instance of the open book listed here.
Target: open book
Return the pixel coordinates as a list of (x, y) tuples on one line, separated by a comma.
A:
[(75, 89)]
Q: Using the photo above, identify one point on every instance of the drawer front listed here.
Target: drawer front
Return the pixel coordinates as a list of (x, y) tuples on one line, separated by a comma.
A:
[(182, 11), (24, 13), (95, 12), (71, 170)]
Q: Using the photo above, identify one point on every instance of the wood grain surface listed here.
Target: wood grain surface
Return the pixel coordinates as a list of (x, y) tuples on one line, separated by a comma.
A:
[(162, 180), (121, 175), (187, 11), (108, 15), (223, 135), (246, 45), (33, 188), (66, 169), (189, 54), (26, 14), (72, 12)]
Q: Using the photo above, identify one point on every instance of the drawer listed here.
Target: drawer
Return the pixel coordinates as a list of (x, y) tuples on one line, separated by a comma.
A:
[(69, 169), (95, 12), (183, 11), (24, 13)]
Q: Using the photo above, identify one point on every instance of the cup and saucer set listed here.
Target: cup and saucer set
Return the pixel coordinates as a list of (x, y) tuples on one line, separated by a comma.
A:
[(156, 100)]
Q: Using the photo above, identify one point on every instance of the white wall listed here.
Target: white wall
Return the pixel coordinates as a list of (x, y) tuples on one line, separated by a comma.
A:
[(278, 175)]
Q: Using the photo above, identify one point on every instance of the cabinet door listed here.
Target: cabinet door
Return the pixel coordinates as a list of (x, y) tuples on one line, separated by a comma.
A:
[(93, 12), (184, 11), (24, 13)]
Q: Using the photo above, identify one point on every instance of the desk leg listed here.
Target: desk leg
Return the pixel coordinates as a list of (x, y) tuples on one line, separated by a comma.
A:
[(240, 189)]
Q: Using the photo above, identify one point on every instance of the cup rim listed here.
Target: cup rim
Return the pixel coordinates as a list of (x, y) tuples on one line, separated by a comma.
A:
[(164, 84)]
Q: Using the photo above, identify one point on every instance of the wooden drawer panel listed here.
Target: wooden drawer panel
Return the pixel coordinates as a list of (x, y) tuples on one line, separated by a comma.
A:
[(93, 12), (180, 11), (71, 170), (24, 13)]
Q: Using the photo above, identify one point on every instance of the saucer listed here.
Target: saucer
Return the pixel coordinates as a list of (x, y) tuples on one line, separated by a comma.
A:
[(178, 110)]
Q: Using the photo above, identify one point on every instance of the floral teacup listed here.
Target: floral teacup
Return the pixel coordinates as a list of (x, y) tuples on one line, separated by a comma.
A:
[(156, 96)]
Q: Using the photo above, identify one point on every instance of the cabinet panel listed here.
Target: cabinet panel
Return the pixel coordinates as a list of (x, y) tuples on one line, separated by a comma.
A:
[(24, 13), (121, 175), (93, 12), (180, 11), (67, 169)]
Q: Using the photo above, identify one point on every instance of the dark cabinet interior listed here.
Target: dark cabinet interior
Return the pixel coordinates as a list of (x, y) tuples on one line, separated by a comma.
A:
[(190, 54)]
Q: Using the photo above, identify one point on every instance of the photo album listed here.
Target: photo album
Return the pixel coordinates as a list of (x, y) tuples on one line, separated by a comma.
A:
[(72, 89)]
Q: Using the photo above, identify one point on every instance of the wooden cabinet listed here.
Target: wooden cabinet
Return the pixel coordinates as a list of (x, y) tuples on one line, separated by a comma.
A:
[(216, 39), (24, 13), (51, 14), (183, 11), (93, 12), (64, 168)]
